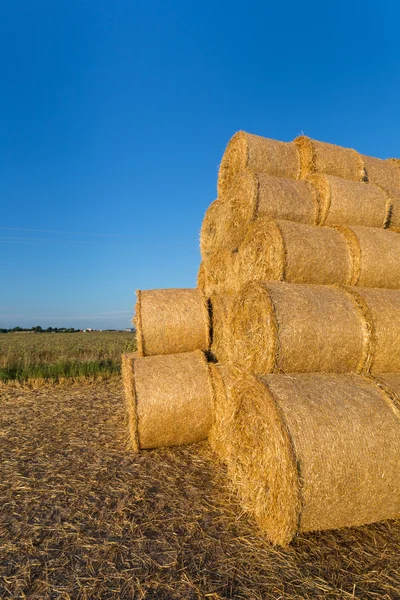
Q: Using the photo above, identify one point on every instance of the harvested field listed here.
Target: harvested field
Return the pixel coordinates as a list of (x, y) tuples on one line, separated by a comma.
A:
[(83, 518)]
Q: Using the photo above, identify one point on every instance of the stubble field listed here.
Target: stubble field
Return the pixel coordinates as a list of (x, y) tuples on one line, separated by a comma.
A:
[(83, 518)]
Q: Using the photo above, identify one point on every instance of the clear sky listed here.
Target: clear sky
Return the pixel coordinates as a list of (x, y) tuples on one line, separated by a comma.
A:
[(114, 116)]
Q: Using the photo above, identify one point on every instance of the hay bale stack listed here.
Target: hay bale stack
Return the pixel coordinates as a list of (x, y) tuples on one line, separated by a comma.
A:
[(384, 173), (258, 154), (284, 327), (219, 435), (252, 195), (220, 312), (329, 159), (311, 452), (169, 321), (344, 202), (168, 398), (298, 253)]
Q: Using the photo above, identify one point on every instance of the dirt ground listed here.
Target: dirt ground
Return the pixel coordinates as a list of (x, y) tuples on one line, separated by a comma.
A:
[(83, 518)]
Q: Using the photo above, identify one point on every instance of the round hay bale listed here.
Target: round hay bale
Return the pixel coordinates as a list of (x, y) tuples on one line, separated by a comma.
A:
[(212, 229), (294, 252), (260, 155), (220, 311), (223, 381), (285, 327), (312, 452), (169, 399), (221, 273), (384, 173), (169, 321), (329, 159), (344, 202), (252, 195)]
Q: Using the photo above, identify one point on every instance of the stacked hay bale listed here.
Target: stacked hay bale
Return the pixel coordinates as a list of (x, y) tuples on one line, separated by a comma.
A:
[(298, 300)]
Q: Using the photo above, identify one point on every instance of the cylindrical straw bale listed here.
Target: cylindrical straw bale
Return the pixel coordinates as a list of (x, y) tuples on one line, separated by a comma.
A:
[(294, 252), (312, 452), (169, 321), (201, 277), (212, 228), (260, 155), (252, 195), (221, 273), (298, 253), (384, 316), (220, 311), (169, 399), (343, 202), (223, 381), (285, 327), (329, 159), (382, 172)]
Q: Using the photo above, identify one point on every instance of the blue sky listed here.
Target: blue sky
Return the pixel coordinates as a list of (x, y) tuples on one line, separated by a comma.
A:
[(114, 117)]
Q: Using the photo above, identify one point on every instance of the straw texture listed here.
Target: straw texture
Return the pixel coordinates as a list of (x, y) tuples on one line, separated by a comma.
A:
[(312, 451), (172, 320), (224, 382), (382, 172), (212, 228), (298, 253), (329, 159), (260, 155), (283, 327), (221, 273), (220, 312), (252, 195), (169, 399), (343, 202)]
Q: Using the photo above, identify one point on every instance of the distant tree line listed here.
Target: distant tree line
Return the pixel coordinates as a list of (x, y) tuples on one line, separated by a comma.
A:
[(39, 329)]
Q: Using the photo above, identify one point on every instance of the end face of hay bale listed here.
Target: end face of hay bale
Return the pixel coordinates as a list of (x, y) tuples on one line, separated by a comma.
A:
[(169, 321), (262, 463), (221, 273), (219, 436), (172, 399), (220, 312), (212, 235), (329, 159), (128, 379)]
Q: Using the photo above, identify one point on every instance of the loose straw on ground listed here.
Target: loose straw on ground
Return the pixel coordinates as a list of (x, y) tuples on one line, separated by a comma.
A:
[(312, 452), (168, 398), (284, 327), (298, 253), (171, 320)]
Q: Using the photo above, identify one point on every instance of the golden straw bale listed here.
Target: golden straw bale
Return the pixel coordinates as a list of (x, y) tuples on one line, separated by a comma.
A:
[(252, 195), (212, 228), (382, 172), (260, 155), (220, 311), (343, 202), (223, 381), (294, 252), (329, 159), (172, 320), (201, 277), (289, 327), (221, 273), (169, 399), (313, 452)]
